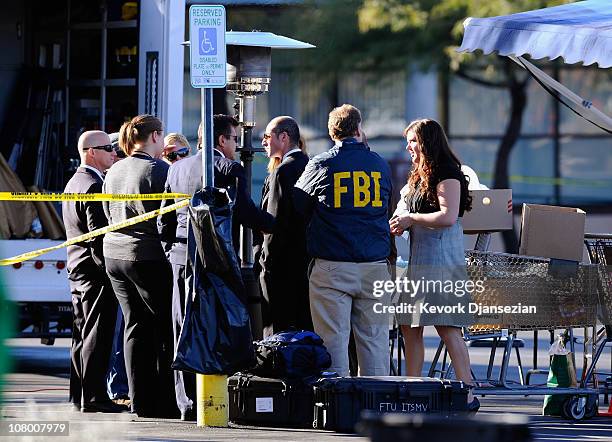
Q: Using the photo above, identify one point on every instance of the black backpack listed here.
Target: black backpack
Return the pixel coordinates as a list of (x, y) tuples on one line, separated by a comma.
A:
[(291, 354)]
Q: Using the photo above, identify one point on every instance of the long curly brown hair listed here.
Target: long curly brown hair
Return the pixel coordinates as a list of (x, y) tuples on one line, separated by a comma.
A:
[(435, 151)]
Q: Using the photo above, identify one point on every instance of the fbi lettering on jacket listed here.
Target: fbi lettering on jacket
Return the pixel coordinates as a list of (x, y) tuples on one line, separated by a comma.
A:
[(365, 187)]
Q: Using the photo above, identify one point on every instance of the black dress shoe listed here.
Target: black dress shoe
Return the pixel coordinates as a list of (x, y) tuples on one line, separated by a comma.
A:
[(189, 415), (103, 407)]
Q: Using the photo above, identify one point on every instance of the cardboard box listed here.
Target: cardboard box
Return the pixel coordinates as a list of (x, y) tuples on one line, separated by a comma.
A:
[(552, 232), (491, 211)]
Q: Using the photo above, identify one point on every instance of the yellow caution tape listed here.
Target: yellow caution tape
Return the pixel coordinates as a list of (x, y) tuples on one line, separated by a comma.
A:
[(40, 196), (94, 233), (578, 182)]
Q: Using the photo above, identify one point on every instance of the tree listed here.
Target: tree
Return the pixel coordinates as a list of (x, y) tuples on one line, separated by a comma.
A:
[(390, 34), (331, 25), (431, 30)]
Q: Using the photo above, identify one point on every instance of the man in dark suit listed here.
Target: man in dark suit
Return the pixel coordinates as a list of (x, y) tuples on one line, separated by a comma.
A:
[(284, 260), (94, 303), (185, 176)]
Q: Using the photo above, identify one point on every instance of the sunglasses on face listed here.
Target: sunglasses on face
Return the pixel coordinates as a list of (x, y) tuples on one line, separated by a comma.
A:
[(107, 147), (268, 136), (173, 156), (232, 137)]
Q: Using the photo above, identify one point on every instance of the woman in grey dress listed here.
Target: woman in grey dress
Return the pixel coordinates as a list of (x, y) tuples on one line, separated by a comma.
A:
[(431, 207)]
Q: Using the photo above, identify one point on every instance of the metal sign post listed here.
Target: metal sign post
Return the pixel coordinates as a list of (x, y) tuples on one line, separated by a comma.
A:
[(208, 143), (207, 71)]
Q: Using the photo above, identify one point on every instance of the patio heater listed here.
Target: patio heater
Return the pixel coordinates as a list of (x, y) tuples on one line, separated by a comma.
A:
[(249, 71)]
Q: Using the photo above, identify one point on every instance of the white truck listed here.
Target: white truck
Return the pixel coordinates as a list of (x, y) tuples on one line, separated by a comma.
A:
[(39, 288), (139, 69)]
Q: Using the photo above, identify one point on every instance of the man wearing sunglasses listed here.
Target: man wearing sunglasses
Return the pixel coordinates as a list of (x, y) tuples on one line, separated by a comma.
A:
[(94, 303), (283, 258), (185, 176)]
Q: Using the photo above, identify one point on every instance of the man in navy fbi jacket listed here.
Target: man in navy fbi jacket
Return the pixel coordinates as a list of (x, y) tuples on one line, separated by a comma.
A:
[(344, 194)]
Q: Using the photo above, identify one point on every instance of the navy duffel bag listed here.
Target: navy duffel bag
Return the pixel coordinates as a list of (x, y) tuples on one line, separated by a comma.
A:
[(291, 354)]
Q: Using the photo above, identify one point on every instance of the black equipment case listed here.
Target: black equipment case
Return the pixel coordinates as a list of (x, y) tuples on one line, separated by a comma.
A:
[(339, 401), (432, 428), (254, 400)]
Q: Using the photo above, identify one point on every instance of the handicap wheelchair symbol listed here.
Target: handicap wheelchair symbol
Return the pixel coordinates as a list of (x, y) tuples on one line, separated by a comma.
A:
[(208, 41), (206, 45)]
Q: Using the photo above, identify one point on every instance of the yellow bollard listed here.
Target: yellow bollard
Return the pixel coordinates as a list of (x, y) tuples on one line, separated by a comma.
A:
[(212, 400)]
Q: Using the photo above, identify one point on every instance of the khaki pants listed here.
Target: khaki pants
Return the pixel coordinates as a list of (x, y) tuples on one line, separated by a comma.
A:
[(341, 297)]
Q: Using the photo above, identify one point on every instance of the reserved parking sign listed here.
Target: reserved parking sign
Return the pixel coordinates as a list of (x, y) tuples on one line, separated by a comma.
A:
[(207, 46)]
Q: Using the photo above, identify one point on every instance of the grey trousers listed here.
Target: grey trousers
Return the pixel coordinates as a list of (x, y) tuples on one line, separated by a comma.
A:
[(184, 382), (341, 298)]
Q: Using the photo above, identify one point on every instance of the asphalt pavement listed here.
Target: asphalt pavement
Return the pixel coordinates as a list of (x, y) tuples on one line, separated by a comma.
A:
[(37, 390)]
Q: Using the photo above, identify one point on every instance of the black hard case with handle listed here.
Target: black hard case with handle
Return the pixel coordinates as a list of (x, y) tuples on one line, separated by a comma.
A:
[(255, 400), (339, 401)]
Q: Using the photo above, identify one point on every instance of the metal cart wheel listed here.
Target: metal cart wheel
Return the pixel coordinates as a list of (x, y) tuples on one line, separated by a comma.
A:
[(575, 408)]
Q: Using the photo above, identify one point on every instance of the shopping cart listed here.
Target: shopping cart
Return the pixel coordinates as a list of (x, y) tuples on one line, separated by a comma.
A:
[(563, 296), (599, 247)]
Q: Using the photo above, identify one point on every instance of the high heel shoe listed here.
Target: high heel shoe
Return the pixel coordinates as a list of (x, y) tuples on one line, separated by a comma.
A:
[(474, 406)]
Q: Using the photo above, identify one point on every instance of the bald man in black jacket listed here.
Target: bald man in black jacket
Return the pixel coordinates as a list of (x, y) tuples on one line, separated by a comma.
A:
[(284, 259), (93, 300)]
